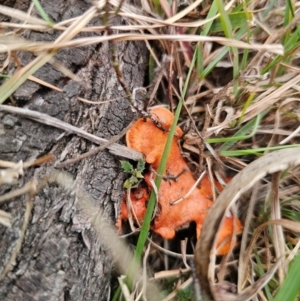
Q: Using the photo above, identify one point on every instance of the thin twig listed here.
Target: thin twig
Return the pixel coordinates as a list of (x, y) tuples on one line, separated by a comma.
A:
[(17, 248), (114, 148), (97, 149), (30, 186)]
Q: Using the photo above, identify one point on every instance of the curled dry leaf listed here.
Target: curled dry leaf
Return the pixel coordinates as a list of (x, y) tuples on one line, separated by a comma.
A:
[(148, 138)]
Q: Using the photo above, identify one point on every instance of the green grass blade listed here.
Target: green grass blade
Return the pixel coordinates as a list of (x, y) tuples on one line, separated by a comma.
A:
[(255, 151), (199, 61), (291, 214), (42, 12), (237, 20), (261, 273), (289, 13), (222, 53), (214, 62), (239, 135), (245, 58), (224, 19), (290, 288), (290, 47), (271, 5), (212, 12), (157, 7), (228, 31), (4, 75), (246, 105), (116, 294)]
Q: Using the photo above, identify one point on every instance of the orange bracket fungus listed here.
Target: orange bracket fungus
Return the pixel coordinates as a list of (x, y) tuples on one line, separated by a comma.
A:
[(178, 203)]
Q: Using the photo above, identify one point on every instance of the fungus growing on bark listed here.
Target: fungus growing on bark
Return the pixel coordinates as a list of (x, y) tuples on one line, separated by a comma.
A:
[(190, 206)]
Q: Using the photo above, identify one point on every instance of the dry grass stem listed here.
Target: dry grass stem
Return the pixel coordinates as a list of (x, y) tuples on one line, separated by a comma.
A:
[(271, 163), (115, 148), (64, 42), (11, 262)]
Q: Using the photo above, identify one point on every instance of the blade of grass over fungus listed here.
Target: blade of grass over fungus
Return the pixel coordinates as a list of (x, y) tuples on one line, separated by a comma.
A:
[(152, 201), (290, 288), (42, 12)]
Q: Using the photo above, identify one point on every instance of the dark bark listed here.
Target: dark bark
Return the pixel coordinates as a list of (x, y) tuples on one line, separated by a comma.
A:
[(61, 258)]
